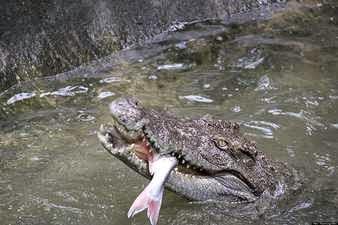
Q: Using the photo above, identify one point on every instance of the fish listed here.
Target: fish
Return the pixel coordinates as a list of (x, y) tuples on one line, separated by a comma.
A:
[(151, 197)]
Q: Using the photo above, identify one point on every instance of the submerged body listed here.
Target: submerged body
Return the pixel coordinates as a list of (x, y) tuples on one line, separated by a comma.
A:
[(214, 161)]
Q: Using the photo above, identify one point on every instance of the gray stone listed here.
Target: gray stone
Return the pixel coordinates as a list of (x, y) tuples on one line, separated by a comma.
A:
[(40, 38)]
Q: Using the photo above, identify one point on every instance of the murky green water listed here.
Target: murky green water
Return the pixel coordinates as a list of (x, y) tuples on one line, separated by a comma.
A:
[(278, 79)]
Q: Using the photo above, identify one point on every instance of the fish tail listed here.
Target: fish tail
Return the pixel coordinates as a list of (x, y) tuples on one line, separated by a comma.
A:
[(146, 201)]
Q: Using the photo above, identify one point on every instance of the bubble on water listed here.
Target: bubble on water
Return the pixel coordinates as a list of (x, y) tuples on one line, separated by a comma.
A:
[(105, 94), (85, 117), (206, 86), (152, 77), (181, 45), (236, 108), (20, 97), (196, 98), (219, 38), (269, 99), (34, 158)]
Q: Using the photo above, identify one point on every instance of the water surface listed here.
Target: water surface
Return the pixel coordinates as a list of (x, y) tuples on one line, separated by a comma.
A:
[(278, 79)]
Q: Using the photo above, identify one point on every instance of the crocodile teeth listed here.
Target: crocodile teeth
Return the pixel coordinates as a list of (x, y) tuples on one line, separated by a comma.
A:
[(188, 166), (102, 129), (183, 161)]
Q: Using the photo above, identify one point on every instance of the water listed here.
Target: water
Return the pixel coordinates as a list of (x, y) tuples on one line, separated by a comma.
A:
[(279, 83)]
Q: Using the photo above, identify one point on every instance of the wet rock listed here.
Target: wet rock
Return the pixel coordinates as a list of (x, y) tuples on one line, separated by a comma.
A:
[(51, 37)]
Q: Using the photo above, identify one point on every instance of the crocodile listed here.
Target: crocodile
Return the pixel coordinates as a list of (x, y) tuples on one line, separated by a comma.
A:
[(205, 159)]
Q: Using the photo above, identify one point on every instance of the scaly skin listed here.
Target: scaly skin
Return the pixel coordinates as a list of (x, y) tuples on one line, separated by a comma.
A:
[(215, 161)]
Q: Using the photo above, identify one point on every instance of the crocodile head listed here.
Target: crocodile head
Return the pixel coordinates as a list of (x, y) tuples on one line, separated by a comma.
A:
[(214, 160)]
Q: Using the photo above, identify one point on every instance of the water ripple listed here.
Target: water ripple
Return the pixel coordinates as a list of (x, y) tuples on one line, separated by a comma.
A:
[(175, 66), (67, 91), (48, 206), (324, 161), (196, 98), (265, 127), (311, 122), (264, 83), (20, 97), (251, 61), (113, 80), (105, 94)]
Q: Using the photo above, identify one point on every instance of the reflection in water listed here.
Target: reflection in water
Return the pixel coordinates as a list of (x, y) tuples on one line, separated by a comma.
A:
[(281, 86)]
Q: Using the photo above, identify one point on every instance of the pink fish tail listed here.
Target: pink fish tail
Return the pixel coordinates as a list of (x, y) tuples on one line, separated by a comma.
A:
[(146, 201), (154, 206), (140, 204)]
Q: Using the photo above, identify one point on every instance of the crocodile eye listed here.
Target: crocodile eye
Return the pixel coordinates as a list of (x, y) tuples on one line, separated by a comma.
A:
[(222, 143)]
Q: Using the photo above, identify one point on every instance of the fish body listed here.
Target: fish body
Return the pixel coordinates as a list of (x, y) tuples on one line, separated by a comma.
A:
[(151, 197)]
